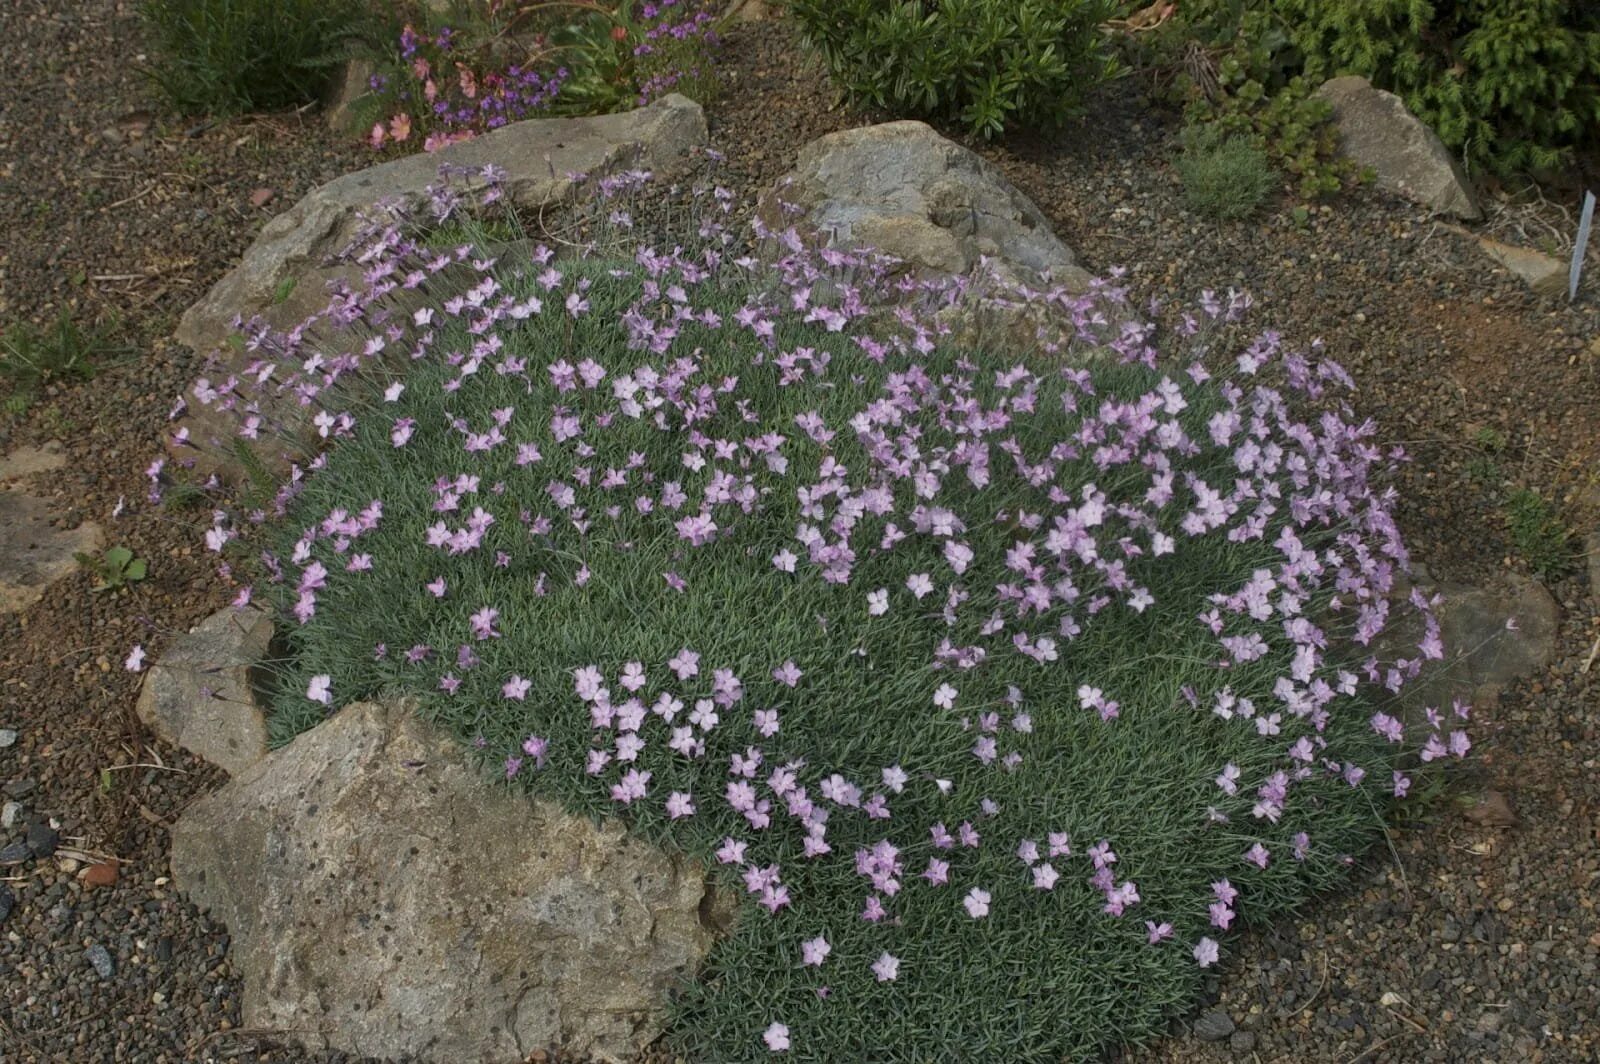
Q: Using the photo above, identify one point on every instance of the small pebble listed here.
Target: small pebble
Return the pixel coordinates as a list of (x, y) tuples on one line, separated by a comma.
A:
[(42, 839), (8, 901), (100, 959), (8, 737), (15, 854), (9, 814), (19, 788), (1213, 1026)]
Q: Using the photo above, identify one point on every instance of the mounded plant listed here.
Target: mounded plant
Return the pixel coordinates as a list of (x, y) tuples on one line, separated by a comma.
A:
[(987, 65), (1224, 175), (1000, 685)]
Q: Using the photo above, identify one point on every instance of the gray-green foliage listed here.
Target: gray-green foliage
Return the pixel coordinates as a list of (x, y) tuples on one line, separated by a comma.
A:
[(989, 65), (1224, 175)]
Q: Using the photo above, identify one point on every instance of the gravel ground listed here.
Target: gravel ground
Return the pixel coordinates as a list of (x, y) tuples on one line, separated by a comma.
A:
[(1466, 942)]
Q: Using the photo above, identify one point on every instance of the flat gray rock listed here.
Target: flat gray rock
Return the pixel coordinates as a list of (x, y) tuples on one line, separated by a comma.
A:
[(385, 899), (34, 552), (200, 694), (1377, 130), (1545, 274)]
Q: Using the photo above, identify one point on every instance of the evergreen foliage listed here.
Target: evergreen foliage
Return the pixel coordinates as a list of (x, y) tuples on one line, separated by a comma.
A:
[(989, 65)]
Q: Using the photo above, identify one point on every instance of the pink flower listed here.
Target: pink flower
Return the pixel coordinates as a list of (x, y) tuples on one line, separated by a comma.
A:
[(400, 127), (777, 1038), (135, 659), (679, 805), (787, 674), (813, 951), (886, 967), (320, 689), (516, 688), (1206, 952), (945, 696), (976, 903), (1156, 933), (1044, 877)]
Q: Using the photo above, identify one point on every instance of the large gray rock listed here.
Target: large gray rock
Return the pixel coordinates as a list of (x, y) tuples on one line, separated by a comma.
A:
[(906, 191), (384, 899), (201, 695), (35, 551), (538, 156), (1377, 130)]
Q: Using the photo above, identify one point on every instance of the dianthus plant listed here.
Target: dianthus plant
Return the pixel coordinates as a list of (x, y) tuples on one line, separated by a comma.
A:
[(1000, 685)]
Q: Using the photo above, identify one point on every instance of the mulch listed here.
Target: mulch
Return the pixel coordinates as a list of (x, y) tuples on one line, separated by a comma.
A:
[(1466, 941)]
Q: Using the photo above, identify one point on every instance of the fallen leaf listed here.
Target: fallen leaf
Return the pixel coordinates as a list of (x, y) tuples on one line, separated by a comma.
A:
[(261, 197)]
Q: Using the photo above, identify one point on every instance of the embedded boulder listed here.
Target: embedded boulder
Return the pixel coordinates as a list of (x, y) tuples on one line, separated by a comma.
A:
[(1492, 636), (386, 900), (201, 696), (902, 189), (1377, 130)]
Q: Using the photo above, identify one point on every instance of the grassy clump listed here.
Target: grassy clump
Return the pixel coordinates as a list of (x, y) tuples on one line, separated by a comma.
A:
[(958, 663), (1538, 534), (1224, 175), (233, 56), (32, 357)]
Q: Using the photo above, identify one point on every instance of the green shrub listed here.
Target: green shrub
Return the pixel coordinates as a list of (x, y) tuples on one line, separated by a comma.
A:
[(1224, 174), (1513, 85), (232, 56), (989, 65)]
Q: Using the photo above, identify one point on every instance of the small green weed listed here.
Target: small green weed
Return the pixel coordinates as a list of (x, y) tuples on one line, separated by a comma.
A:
[(31, 356), (1225, 176), (1539, 535), (116, 568)]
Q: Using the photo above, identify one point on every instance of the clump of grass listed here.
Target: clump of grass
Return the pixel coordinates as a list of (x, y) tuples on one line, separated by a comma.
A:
[(234, 56), (1538, 534), (1000, 689), (1225, 176), (32, 357)]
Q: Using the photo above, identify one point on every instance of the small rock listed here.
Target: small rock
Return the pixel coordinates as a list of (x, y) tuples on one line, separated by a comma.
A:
[(8, 737), (261, 197), (9, 814), (164, 949), (101, 875), (1241, 1042), (100, 959), (1213, 1026), (42, 839), (8, 901), (69, 865), (1544, 274), (19, 788), (16, 853), (1492, 809)]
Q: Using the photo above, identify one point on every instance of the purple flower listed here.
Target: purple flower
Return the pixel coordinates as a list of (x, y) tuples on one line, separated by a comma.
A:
[(777, 1037), (320, 689), (1206, 953), (976, 903), (813, 951)]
